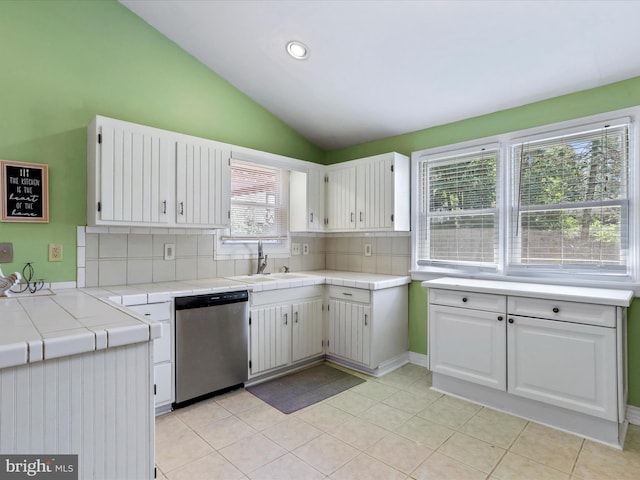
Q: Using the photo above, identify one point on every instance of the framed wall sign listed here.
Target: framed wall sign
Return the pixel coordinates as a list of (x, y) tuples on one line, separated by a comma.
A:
[(24, 192)]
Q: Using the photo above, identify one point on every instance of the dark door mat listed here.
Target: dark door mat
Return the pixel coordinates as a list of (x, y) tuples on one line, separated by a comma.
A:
[(306, 387)]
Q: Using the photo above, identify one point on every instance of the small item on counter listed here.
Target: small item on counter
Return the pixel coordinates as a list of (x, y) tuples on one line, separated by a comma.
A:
[(7, 282), (27, 276)]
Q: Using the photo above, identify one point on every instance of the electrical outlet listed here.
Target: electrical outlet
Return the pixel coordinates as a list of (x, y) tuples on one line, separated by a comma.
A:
[(55, 252), (169, 251), (305, 249), (367, 249), (6, 252), (295, 249)]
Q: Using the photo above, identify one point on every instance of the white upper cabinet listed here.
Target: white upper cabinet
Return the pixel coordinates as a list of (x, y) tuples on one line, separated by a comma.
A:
[(307, 199), (129, 174), (144, 176), (341, 198), (203, 175), (369, 194)]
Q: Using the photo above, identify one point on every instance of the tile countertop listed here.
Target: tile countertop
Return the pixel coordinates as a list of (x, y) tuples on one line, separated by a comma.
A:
[(66, 322), (163, 292), (71, 321)]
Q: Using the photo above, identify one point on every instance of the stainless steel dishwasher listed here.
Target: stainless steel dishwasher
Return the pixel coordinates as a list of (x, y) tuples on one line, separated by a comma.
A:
[(211, 344)]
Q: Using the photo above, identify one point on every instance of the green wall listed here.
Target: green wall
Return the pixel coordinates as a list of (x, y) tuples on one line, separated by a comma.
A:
[(63, 62)]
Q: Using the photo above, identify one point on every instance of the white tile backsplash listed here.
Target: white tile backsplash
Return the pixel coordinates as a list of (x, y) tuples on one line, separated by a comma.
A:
[(139, 270), (186, 268), (186, 246), (112, 272), (164, 270), (113, 245), (138, 257), (138, 246)]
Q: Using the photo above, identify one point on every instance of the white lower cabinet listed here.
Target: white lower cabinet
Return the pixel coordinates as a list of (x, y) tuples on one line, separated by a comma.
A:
[(307, 331), (285, 327), (349, 331), (558, 360), (564, 364), (270, 338), (368, 330), (468, 344), (162, 357)]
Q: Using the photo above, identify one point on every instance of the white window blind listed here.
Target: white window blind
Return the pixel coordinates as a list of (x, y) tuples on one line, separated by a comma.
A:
[(258, 201), (570, 202), (457, 218)]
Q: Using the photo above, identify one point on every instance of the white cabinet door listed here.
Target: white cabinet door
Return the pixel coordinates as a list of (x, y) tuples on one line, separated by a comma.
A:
[(162, 379), (374, 189), (306, 205), (203, 176), (133, 174), (350, 331), (468, 344), (341, 199), (306, 330), (564, 364), (316, 199), (270, 337)]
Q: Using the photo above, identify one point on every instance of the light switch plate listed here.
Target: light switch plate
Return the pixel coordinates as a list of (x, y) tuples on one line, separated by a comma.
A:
[(295, 249), (6, 252), (305, 249), (169, 251), (367, 249)]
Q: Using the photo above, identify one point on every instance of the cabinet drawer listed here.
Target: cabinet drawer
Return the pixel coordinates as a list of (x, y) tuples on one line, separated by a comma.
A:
[(155, 311), (477, 301), (359, 295), (576, 312)]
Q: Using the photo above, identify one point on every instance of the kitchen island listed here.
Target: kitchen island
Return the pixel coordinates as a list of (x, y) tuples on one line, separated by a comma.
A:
[(76, 378)]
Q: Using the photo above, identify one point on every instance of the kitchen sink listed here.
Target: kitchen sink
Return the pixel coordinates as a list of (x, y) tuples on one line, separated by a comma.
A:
[(269, 277), (287, 276)]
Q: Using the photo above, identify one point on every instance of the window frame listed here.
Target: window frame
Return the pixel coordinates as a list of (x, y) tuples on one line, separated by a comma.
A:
[(445, 157), (505, 270)]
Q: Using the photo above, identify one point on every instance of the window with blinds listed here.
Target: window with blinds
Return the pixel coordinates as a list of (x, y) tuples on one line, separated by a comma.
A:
[(258, 202), (458, 214), (569, 201)]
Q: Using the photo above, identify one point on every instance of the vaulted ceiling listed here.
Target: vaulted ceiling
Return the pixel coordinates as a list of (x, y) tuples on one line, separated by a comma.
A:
[(381, 68)]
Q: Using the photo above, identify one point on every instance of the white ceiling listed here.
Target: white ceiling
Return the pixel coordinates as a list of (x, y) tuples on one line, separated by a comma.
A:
[(381, 68)]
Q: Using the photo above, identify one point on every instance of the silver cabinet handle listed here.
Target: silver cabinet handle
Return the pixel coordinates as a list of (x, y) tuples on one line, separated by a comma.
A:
[(365, 319), (181, 208), (164, 206), (286, 318), (296, 317), (311, 217), (360, 216), (347, 294), (351, 217)]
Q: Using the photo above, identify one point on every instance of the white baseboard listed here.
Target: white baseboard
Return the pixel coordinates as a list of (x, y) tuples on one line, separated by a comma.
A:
[(419, 359), (633, 415)]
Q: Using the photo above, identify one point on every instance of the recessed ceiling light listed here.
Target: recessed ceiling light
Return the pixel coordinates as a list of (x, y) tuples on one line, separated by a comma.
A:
[(297, 50)]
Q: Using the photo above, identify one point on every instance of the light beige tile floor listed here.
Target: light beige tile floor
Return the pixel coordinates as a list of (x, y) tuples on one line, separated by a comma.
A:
[(393, 427)]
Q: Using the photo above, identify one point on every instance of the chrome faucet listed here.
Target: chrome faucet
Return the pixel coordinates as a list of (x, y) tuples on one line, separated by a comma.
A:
[(262, 258)]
